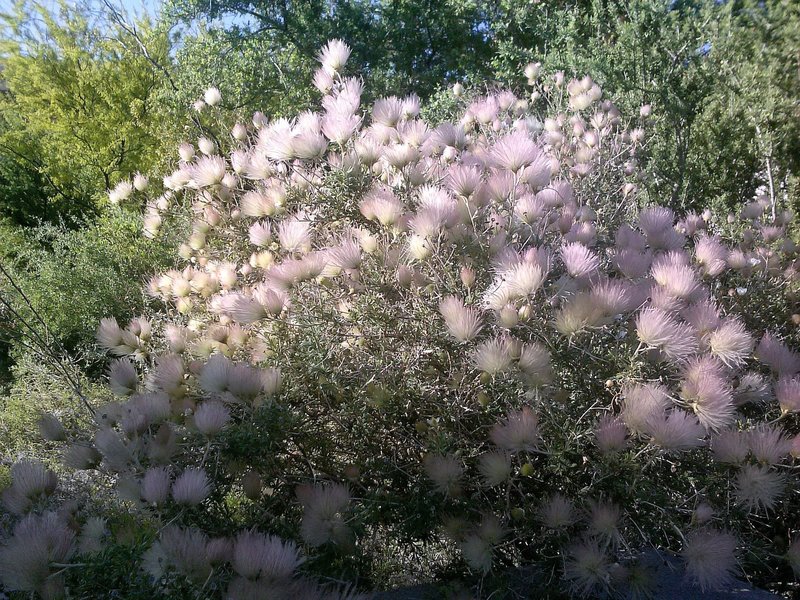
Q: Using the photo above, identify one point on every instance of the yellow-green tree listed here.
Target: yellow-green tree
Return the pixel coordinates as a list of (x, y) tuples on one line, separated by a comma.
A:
[(80, 108)]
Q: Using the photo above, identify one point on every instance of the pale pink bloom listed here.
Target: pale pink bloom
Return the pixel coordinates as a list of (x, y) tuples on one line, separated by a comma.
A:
[(310, 145), (387, 111), (464, 179), (710, 397), (753, 387), (604, 519), (729, 446), (677, 280), (211, 417), (109, 334), (186, 151), (183, 550), (534, 362), (579, 261), (31, 478), (116, 454), (463, 323), (643, 403), (703, 316), (294, 234), (257, 203), (529, 209), (677, 431), (656, 219), (323, 80), (80, 457), (477, 552), (191, 487), (325, 508), (212, 96), (514, 152), (380, 204), (123, 378), (50, 428), (494, 467), (156, 485), (260, 234), (587, 569), (612, 296), (711, 255), (610, 434), (787, 391), (445, 472), (557, 512), (768, 444), (519, 432), (710, 558), (703, 513), (339, 127), (207, 146), (345, 256), (256, 555), (276, 140), (492, 356), (121, 192), (738, 260), (36, 542), (658, 329), (334, 55), (758, 488), (632, 263), (770, 233), (774, 353), (167, 375)]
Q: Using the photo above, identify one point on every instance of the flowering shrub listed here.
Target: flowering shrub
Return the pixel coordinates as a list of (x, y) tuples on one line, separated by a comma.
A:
[(434, 349)]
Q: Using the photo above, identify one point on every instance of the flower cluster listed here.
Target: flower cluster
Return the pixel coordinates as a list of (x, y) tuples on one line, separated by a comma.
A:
[(472, 335)]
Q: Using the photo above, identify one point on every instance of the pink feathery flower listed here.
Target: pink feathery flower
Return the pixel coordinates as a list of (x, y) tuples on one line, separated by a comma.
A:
[(787, 391), (294, 234), (387, 111), (122, 377), (604, 519), (191, 487), (729, 446), (334, 55), (325, 507), (261, 203), (260, 234), (753, 387), (463, 179), (710, 397), (494, 467), (557, 512), (463, 322), (579, 261), (703, 315), (775, 354), (768, 444), (731, 343), (658, 329), (643, 403), (492, 356), (155, 485), (587, 569), (710, 558), (656, 219), (758, 488), (711, 255), (31, 478), (211, 417), (208, 171), (381, 205), (268, 557), (445, 472), (514, 151), (612, 296), (36, 542), (523, 279), (340, 127), (631, 263), (677, 431), (50, 428), (677, 280), (534, 361), (610, 434), (477, 552), (519, 432)]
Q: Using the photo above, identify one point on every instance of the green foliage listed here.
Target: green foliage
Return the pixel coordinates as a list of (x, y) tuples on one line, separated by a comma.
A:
[(79, 110), (73, 278)]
